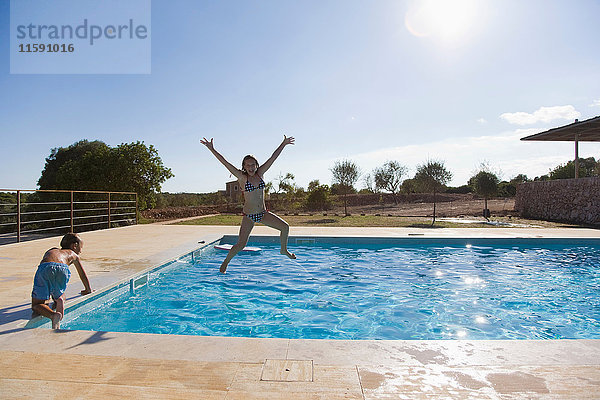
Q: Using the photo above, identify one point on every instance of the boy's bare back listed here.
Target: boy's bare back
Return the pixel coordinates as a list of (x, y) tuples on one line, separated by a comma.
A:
[(63, 256)]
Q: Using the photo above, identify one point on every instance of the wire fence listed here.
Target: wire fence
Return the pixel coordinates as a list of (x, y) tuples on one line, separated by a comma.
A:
[(34, 214)]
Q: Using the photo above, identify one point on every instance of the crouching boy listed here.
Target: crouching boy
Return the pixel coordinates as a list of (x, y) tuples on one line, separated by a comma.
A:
[(52, 276)]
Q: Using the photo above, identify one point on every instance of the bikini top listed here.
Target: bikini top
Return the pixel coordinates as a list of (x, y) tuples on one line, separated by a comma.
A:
[(250, 187)]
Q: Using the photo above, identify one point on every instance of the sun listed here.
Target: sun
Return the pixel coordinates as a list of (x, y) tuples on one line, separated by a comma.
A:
[(448, 20)]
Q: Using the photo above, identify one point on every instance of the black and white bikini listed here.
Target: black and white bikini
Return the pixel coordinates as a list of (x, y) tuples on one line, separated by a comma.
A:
[(248, 187)]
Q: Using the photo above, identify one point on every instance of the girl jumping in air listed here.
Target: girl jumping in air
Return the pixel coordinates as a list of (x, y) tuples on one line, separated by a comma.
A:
[(250, 179)]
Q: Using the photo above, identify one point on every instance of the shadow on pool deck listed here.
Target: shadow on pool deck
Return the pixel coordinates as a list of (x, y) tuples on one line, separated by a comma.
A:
[(96, 337), (12, 314)]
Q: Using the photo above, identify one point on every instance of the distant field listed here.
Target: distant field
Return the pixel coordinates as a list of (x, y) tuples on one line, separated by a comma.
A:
[(362, 221)]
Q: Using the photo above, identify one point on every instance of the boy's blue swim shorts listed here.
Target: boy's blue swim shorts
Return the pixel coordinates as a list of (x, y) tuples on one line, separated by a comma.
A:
[(50, 280)]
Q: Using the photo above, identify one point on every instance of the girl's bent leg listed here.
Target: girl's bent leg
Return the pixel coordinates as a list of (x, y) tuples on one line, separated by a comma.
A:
[(245, 229), (273, 221)]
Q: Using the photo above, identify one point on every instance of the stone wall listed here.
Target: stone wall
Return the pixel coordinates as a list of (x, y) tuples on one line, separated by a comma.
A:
[(568, 200)]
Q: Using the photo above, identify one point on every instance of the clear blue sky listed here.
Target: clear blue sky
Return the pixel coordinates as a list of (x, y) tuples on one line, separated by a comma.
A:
[(365, 80)]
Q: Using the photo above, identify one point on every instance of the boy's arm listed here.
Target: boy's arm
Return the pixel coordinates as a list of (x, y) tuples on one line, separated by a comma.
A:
[(267, 164), (83, 277)]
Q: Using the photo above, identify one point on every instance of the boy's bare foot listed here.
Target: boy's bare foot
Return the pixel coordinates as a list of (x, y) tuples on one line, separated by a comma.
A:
[(287, 253), (56, 317), (223, 268)]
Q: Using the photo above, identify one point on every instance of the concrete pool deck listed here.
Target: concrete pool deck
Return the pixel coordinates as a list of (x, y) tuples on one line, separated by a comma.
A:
[(63, 364)]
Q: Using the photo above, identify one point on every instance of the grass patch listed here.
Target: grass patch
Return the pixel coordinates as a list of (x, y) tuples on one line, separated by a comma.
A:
[(143, 220)]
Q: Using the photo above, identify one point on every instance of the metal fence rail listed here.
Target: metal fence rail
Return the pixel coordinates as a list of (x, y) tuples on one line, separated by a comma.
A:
[(30, 214)]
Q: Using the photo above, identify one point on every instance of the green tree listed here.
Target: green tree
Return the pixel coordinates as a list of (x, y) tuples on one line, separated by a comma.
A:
[(509, 189), (318, 196), (409, 186), (338, 190), (285, 183), (485, 183), (369, 182), (464, 189), (521, 178), (345, 174), (389, 177), (287, 190), (80, 166), (431, 177), (587, 167), (8, 198), (138, 168), (130, 167)]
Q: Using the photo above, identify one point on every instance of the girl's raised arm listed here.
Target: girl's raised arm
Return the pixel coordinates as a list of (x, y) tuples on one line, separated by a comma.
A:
[(267, 164), (236, 172)]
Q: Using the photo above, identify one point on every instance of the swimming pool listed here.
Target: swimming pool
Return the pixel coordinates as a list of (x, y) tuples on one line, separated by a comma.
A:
[(366, 288)]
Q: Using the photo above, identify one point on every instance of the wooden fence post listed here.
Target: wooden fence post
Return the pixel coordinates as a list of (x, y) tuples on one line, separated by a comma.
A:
[(72, 212), (137, 220), (18, 216), (108, 210)]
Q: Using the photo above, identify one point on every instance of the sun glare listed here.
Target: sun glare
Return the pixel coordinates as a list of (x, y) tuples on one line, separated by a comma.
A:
[(448, 20)]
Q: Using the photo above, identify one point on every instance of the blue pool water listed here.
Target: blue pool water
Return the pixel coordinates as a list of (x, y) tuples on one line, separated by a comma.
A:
[(397, 289)]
